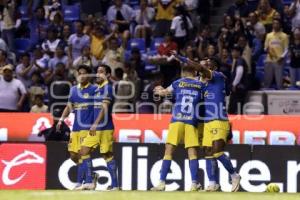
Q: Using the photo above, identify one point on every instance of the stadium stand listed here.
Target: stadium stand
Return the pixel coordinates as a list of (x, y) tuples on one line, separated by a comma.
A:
[(220, 26)]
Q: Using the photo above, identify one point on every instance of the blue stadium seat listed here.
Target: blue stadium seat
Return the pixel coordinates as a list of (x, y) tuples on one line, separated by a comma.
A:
[(22, 45), (144, 56), (134, 3), (261, 61), (155, 43), (24, 13), (71, 13), (137, 43), (127, 55)]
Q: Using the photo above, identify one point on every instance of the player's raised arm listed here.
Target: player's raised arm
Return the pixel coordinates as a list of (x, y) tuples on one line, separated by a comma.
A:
[(201, 67)]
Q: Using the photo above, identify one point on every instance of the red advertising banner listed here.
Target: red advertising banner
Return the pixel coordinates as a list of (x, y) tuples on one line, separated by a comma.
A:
[(22, 166), (153, 128)]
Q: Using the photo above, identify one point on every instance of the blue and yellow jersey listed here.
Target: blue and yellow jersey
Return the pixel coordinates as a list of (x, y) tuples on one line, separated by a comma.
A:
[(214, 98), (104, 92), (188, 95), (82, 103)]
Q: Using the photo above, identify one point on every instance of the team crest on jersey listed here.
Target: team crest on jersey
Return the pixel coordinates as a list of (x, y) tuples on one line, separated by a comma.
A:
[(205, 93), (179, 116), (214, 131), (86, 95)]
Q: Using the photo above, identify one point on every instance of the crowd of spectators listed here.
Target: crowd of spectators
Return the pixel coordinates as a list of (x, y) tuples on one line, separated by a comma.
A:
[(43, 42)]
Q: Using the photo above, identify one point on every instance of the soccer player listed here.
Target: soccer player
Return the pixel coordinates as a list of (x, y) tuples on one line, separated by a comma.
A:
[(102, 129), (216, 126), (81, 104), (183, 127)]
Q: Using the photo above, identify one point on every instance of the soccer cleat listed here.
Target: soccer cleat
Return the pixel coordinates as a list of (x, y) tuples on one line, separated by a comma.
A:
[(88, 186), (213, 188), (235, 183), (161, 187), (196, 187), (110, 188), (78, 186)]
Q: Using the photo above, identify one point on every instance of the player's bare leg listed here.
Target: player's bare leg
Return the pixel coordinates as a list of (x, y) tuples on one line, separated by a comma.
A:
[(218, 152), (112, 169), (212, 170), (165, 168)]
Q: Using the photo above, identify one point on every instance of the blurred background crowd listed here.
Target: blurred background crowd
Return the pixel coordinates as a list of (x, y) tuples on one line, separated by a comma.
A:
[(255, 43)]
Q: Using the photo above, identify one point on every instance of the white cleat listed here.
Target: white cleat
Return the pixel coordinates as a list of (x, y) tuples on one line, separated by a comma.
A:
[(235, 183), (161, 187), (88, 186), (196, 187), (213, 188), (78, 186)]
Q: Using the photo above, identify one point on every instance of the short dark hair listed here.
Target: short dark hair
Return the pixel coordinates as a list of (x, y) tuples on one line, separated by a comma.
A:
[(107, 68), (40, 8), (52, 30), (135, 50), (25, 55), (237, 48), (189, 69), (215, 62), (85, 67), (60, 64), (114, 38), (119, 73), (80, 21), (39, 96)]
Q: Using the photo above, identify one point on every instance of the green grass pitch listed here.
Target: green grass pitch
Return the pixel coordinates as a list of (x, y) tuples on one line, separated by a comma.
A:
[(135, 195)]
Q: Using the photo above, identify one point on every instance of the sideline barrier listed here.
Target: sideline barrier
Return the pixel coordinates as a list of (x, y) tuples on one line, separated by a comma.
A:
[(139, 166), (152, 128)]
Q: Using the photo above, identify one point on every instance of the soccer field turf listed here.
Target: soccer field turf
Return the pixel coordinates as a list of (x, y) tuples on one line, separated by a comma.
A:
[(134, 195)]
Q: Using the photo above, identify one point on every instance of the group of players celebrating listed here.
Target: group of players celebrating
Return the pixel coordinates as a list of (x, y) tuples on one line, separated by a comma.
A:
[(199, 119)]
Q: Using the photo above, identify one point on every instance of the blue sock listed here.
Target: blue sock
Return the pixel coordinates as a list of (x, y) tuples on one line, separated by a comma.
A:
[(112, 169), (225, 160), (80, 173), (215, 168), (209, 169), (165, 168), (87, 167), (194, 167)]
